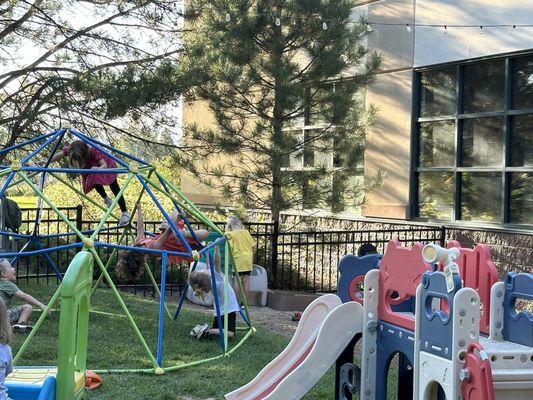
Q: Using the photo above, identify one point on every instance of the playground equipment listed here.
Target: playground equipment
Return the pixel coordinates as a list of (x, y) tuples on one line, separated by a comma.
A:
[(22, 171), (434, 307), (67, 381), (309, 354)]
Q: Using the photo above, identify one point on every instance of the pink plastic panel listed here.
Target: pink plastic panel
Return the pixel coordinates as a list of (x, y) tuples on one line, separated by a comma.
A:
[(479, 273), (401, 271)]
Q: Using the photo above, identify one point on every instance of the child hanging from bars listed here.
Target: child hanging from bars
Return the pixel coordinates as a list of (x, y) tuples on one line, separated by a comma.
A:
[(81, 155)]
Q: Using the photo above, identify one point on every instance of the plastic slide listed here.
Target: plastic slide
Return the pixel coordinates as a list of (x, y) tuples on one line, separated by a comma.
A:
[(325, 329)]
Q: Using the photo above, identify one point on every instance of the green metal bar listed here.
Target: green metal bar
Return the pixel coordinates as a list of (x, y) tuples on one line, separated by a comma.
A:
[(226, 289), (151, 276), (5, 171), (157, 369), (52, 206), (136, 204), (112, 206), (79, 192), (37, 325), (108, 314), (244, 339), (241, 289)]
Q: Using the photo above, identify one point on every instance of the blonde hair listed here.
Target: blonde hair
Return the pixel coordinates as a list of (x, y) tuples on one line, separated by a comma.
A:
[(5, 326), (200, 281), (233, 224), (4, 263)]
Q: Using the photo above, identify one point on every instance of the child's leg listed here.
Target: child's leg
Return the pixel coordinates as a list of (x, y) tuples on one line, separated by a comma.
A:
[(232, 321), (101, 191), (19, 314), (116, 189)]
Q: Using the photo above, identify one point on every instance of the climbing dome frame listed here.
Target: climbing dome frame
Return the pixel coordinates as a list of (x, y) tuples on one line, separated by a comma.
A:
[(25, 171)]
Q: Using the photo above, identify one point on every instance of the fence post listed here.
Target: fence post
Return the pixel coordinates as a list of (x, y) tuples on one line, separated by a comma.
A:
[(79, 219), (274, 261), (443, 236)]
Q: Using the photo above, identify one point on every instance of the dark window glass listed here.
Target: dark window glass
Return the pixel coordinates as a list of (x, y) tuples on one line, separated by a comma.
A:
[(437, 148), (482, 143), (522, 141), (523, 83), (484, 86), (438, 92), (481, 196), (521, 198), (435, 195)]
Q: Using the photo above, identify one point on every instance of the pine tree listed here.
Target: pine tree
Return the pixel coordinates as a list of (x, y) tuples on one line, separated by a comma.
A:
[(263, 67)]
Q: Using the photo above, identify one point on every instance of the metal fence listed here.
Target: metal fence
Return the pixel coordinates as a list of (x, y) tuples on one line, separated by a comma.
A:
[(300, 261)]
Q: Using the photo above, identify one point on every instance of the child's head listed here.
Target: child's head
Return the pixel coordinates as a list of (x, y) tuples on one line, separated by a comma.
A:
[(233, 224), (5, 326), (7, 272), (130, 265), (78, 153), (365, 249), (200, 283)]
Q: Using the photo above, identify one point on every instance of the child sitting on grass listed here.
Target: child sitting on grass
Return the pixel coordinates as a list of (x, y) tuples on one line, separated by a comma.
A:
[(200, 282), (6, 358), (131, 263), (18, 315)]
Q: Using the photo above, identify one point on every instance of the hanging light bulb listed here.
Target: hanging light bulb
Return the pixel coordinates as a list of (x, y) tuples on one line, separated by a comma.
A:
[(325, 25), (278, 21), (445, 30), (513, 28), (368, 27), (408, 28), (481, 29), (228, 17)]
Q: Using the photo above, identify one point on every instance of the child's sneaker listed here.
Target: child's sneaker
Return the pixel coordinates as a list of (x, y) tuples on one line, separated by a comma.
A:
[(22, 327), (194, 331), (107, 202), (124, 218), (203, 331)]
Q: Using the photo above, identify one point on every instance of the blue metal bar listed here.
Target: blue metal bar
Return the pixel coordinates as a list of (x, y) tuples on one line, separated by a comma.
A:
[(185, 289), (89, 141), (176, 204), (167, 217), (37, 139), (211, 245), (56, 235), (77, 170), (107, 146), (142, 249), (42, 146), (216, 302), (60, 277), (7, 182), (42, 251), (161, 324)]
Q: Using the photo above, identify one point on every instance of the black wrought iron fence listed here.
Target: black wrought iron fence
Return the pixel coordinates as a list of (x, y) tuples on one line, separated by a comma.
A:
[(301, 261)]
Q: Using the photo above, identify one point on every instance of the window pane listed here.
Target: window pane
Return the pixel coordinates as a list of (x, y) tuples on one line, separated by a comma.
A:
[(438, 92), (482, 142), (437, 148), (435, 195), (484, 86), (521, 198), (481, 196), (523, 83), (522, 141)]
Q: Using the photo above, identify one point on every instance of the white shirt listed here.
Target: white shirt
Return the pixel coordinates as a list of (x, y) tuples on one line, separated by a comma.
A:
[(233, 306)]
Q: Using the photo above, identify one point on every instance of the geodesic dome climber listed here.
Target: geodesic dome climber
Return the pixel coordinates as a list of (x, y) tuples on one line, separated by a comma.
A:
[(20, 169)]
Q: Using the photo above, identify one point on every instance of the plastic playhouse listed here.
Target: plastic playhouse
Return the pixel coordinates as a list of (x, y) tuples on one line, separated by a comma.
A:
[(458, 331)]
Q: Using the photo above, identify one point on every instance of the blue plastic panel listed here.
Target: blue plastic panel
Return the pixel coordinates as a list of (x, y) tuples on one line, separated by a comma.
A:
[(518, 327), (351, 267), (436, 326)]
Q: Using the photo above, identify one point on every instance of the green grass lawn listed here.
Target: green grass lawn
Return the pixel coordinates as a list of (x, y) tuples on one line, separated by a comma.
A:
[(113, 344)]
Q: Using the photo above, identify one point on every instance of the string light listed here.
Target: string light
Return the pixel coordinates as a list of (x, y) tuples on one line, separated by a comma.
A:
[(228, 17), (325, 26), (368, 27), (445, 30), (408, 28), (278, 21), (481, 29)]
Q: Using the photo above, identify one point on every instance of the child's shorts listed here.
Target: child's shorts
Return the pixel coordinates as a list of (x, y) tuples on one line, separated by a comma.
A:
[(14, 313), (232, 319)]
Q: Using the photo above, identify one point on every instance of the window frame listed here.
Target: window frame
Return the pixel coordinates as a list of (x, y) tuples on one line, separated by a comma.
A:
[(458, 117)]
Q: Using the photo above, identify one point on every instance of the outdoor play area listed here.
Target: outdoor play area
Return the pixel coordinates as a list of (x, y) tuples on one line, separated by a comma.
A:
[(458, 330)]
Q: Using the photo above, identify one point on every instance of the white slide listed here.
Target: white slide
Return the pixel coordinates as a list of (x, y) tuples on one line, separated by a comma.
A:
[(327, 326)]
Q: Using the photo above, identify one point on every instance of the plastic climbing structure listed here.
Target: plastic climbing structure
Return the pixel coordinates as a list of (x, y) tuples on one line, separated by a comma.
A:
[(21, 169)]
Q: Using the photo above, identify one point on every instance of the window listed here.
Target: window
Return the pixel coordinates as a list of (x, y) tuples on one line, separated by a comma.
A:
[(474, 142)]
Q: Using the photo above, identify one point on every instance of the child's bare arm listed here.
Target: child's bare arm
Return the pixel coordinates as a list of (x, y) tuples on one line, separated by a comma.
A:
[(140, 224), (29, 299), (58, 156), (101, 164), (217, 259)]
